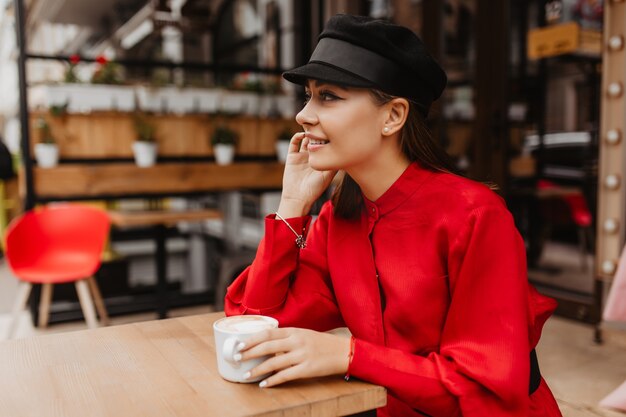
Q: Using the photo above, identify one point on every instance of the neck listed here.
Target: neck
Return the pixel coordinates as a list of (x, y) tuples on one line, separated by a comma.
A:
[(378, 176)]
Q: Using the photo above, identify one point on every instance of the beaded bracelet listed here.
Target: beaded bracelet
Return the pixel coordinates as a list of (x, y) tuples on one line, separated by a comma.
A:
[(350, 357), (300, 241)]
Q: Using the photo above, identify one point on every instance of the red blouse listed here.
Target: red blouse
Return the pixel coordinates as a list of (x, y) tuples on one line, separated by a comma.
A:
[(432, 283)]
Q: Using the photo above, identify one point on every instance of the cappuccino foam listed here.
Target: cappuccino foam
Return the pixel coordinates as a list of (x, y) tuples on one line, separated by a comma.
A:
[(244, 324)]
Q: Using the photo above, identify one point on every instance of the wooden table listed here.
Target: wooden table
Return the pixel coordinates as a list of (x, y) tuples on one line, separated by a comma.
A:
[(160, 368), (160, 219)]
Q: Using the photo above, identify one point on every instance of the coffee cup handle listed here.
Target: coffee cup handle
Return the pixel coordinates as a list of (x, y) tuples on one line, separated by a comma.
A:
[(229, 349)]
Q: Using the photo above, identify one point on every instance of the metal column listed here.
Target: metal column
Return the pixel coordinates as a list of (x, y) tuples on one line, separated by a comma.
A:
[(20, 19), (612, 170)]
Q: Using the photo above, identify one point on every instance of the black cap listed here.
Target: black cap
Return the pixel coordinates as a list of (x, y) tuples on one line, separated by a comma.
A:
[(360, 51)]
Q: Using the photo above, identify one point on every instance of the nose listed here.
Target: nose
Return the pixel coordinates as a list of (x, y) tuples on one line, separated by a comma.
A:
[(306, 116)]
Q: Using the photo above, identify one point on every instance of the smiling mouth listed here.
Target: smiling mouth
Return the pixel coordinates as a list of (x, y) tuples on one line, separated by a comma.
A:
[(317, 142)]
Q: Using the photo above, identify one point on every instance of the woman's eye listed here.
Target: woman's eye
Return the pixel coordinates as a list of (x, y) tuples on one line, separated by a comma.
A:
[(328, 96), (321, 96)]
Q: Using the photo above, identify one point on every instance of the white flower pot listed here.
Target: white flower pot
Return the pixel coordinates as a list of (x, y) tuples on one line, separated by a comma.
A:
[(145, 153), (164, 99), (287, 105), (282, 148), (85, 98), (205, 100), (240, 102), (47, 155), (277, 105), (178, 100), (224, 154)]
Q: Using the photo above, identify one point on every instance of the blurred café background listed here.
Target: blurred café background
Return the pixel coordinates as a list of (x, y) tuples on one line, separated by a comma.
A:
[(129, 105)]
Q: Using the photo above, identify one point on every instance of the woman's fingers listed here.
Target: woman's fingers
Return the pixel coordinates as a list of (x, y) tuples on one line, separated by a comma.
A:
[(288, 374), (296, 142), (270, 347), (274, 364), (304, 145), (264, 336)]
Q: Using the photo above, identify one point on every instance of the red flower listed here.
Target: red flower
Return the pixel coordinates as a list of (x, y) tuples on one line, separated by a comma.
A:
[(101, 59), (74, 59)]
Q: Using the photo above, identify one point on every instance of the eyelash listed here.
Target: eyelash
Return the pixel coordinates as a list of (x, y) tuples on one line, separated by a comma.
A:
[(324, 95)]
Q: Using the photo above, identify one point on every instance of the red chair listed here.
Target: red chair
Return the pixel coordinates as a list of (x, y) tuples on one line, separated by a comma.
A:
[(58, 244), (580, 215)]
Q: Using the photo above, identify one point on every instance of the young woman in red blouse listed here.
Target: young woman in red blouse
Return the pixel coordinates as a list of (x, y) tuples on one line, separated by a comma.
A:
[(424, 267)]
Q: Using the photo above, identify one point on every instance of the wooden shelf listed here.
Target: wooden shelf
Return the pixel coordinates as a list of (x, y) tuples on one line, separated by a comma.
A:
[(84, 181)]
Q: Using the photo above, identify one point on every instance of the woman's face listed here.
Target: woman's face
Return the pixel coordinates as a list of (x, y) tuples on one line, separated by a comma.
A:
[(343, 126)]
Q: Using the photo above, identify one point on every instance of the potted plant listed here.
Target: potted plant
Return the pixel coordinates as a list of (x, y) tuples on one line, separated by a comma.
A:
[(145, 147), (242, 96), (70, 73), (224, 140), (46, 151), (107, 72), (282, 144)]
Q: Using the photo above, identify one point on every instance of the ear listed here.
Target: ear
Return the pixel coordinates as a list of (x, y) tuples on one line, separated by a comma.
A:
[(397, 113)]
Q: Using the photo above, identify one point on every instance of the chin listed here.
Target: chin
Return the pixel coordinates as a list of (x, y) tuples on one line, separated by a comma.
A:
[(322, 165)]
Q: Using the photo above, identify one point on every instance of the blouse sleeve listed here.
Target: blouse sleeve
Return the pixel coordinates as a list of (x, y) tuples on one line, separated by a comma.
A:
[(482, 366), (290, 284)]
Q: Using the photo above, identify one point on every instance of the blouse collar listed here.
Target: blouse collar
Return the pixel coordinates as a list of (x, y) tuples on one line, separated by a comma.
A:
[(404, 187)]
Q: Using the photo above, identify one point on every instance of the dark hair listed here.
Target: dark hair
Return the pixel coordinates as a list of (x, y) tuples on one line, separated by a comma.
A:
[(417, 144)]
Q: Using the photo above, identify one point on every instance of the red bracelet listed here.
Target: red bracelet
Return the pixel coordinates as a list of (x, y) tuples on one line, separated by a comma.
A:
[(350, 357)]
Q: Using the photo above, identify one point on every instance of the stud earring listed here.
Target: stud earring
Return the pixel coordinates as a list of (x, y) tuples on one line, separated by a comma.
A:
[(385, 130)]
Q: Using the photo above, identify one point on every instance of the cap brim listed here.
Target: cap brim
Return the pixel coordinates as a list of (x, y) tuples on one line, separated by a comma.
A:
[(324, 72)]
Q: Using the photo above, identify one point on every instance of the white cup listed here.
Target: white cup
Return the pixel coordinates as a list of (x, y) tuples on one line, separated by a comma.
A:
[(229, 333)]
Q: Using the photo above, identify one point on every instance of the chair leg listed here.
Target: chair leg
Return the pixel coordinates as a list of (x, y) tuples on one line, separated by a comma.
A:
[(44, 305), (21, 300), (97, 299), (86, 303)]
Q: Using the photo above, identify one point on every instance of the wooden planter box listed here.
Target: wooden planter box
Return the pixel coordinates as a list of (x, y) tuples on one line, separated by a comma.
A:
[(109, 135)]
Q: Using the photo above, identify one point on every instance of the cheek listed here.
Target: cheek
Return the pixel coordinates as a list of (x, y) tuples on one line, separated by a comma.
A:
[(361, 135), (359, 126)]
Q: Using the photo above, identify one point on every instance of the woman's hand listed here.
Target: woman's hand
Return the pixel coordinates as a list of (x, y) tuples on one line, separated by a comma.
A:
[(298, 353), (302, 185)]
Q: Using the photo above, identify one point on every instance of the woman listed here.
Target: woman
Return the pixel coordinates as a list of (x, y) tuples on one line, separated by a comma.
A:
[(425, 268)]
